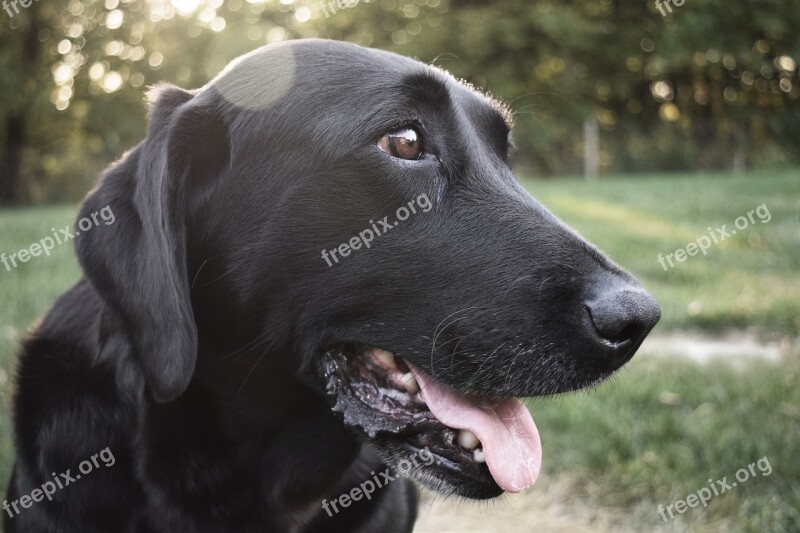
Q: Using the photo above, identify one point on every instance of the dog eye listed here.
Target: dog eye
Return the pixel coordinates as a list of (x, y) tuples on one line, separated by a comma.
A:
[(403, 143)]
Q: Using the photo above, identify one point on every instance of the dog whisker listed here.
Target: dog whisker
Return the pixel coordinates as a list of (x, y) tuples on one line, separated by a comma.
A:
[(455, 349), (488, 359), (244, 382), (539, 297), (242, 349), (441, 56), (436, 331)]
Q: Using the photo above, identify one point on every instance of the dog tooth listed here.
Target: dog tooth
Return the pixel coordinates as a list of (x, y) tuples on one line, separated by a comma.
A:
[(468, 439), (478, 455), (410, 382), (387, 358)]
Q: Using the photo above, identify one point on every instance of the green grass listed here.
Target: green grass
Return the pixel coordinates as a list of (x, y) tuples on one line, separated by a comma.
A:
[(26, 292), (659, 430), (746, 281)]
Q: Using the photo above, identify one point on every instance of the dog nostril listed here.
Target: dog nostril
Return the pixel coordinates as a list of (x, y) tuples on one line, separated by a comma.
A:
[(619, 333), (621, 318)]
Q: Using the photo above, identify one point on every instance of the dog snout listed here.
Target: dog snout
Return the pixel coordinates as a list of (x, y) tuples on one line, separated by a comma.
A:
[(619, 319)]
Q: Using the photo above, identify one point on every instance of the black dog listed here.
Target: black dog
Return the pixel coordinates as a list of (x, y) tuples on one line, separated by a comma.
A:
[(279, 236)]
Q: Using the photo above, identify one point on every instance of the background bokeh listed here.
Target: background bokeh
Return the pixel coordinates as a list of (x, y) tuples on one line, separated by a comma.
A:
[(640, 129), (712, 86)]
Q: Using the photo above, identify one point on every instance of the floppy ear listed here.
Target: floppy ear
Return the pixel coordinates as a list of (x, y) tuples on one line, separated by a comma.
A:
[(138, 264)]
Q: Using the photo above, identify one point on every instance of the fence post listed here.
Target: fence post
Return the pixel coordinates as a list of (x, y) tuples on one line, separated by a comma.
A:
[(591, 141)]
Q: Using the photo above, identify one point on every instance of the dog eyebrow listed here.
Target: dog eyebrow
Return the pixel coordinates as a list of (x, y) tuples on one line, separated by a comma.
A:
[(435, 88), (428, 87), (424, 86)]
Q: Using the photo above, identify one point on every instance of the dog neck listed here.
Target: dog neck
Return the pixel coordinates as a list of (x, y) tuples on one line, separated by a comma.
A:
[(239, 436)]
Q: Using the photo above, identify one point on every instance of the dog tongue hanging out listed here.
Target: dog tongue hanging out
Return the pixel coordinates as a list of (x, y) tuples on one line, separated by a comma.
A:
[(504, 429)]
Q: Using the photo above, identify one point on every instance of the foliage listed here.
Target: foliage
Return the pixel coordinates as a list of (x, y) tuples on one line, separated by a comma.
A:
[(711, 86)]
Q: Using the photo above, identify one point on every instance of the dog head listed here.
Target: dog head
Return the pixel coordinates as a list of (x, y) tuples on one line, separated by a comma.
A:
[(345, 221)]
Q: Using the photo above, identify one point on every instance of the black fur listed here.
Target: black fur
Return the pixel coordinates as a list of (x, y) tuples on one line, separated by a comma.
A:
[(187, 349)]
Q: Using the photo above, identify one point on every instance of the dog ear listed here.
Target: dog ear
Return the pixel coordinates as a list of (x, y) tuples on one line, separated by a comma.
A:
[(138, 264)]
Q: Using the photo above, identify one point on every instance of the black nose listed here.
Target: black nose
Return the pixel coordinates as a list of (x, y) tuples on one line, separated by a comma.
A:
[(622, 318)]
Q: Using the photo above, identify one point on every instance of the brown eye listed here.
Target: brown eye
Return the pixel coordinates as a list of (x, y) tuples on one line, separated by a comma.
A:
[(404, 143)]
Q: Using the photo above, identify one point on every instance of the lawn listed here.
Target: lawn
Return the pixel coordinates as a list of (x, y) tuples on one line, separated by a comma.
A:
[(748, 280), (659, 432), (661, 429)]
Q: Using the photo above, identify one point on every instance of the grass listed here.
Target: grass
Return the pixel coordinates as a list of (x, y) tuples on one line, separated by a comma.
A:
[(660, 430), (26, 292), (746, 281)]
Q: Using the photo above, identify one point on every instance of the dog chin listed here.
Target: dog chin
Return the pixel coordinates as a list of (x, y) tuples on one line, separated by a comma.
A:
[(436, 472)]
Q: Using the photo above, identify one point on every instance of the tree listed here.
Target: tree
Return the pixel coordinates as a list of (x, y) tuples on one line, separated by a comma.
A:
[(710, 85)]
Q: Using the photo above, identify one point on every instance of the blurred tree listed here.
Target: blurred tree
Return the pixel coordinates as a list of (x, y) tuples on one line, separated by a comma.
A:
[(19, 76), (709, 83), (72, 77), (712, 85)]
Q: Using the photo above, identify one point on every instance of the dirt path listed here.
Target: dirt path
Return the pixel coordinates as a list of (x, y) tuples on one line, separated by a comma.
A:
[(546, 508), (737, 348)]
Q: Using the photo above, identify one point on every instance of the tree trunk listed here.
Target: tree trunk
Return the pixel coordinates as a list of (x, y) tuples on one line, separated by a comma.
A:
[(16, 123), (11, 161), (591, 149)]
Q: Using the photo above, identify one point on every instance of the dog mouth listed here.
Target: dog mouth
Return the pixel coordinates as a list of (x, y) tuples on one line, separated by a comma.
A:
[(480, 445)]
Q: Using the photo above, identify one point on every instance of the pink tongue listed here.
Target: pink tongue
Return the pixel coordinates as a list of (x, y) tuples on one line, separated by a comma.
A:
[(506, 430)]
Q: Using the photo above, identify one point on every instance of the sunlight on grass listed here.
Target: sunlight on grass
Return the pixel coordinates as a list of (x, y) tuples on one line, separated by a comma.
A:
[(747, 280), (627, 219), (659, 431)]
